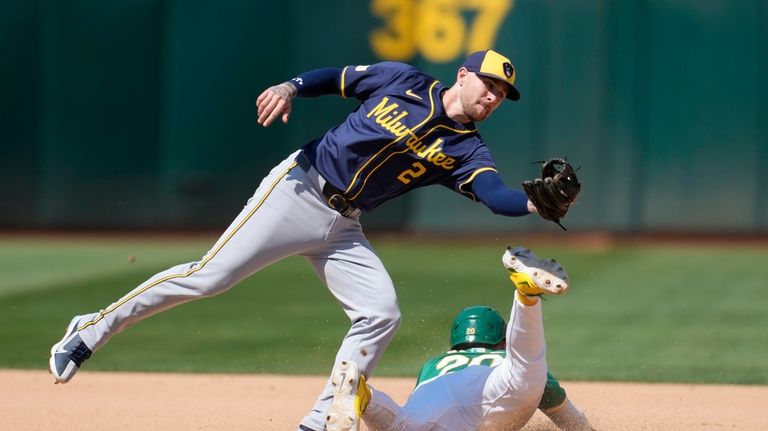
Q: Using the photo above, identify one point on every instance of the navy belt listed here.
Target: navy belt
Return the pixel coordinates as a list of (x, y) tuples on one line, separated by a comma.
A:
[(333, 197)]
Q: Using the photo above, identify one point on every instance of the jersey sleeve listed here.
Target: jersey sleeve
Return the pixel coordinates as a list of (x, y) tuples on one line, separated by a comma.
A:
[(479, 161), (363, 81), (428, 371), (317, 82), (489, 189)]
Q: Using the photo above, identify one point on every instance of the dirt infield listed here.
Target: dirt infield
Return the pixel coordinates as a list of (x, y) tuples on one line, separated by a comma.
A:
[(138, 401)]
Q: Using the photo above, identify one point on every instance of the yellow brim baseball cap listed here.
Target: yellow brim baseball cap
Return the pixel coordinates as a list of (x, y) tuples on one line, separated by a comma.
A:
[(494, 65)]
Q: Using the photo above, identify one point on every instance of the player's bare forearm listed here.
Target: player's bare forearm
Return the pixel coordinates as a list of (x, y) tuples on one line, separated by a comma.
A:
[(275, 102)]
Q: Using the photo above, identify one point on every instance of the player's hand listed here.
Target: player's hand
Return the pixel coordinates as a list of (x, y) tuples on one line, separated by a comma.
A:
[(531, 207), (275, 102)]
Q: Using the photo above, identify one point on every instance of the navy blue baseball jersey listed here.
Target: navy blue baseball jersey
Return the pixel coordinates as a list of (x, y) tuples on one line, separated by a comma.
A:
[(398, 139)]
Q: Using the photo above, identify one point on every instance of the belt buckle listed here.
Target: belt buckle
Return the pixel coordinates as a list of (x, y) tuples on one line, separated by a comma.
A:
[(340, 204)]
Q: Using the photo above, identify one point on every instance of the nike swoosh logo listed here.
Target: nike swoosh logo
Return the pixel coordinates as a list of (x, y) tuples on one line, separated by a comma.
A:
[(408, 92)]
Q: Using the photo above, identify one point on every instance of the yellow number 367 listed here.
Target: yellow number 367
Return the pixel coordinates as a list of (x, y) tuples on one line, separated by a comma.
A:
[(436, 29)]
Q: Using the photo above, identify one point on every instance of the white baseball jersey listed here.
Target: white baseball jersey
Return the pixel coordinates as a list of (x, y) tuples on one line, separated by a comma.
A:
[(502, 397)]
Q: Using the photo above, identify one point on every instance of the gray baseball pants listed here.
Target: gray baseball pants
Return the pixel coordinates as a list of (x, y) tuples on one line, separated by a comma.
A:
[(286, 216)]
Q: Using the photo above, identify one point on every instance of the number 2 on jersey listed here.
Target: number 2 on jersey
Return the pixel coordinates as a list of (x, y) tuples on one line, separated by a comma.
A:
[(407, 175)]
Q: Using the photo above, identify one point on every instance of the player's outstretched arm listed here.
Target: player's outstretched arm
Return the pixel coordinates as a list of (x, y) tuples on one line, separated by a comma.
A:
[(491, 191), (275, 102)]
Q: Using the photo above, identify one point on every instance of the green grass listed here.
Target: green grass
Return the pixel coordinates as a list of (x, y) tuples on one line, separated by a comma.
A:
[(644, 313)]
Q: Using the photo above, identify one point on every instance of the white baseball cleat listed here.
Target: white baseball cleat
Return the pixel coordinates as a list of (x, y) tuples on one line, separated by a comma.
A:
[(350, 398), (68, 354), (533, 276)]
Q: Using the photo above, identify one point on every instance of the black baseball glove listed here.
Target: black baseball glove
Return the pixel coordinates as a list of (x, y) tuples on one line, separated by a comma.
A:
[(555, 191)]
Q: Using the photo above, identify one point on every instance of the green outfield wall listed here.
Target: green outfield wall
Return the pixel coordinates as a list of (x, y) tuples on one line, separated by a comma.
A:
[(139, 114)]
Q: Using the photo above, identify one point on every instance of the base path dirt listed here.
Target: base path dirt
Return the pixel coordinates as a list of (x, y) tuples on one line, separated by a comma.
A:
[(146, 401)]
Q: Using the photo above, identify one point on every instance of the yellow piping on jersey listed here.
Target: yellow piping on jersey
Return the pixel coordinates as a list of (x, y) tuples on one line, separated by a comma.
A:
[(449, 128), (413, 129), (471, 178), (343, 74), (419, 139), (215, 251)]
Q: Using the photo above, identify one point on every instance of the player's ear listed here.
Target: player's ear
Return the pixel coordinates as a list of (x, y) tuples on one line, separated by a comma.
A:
[(461, 76)]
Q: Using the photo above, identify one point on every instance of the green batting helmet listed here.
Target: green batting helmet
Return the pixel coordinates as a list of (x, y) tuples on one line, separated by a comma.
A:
[(477, 325)]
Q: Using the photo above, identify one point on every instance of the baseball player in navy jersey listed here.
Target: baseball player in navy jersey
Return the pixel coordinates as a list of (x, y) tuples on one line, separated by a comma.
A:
[(452, 393), (409, 130)]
